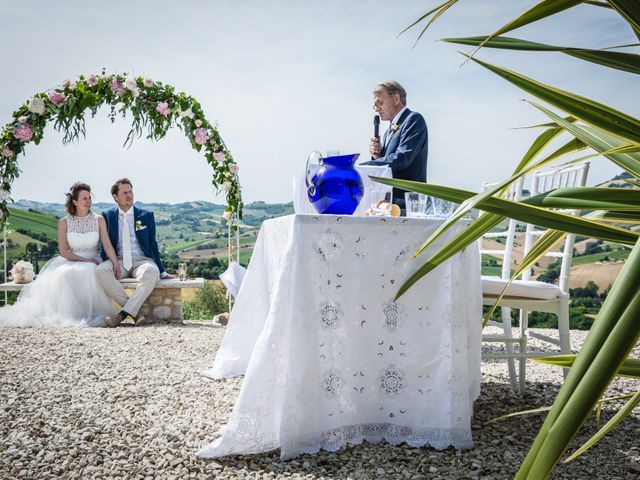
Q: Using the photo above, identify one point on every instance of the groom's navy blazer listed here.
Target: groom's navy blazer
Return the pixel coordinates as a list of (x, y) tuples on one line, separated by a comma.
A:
[(406, 151), (145, 226)]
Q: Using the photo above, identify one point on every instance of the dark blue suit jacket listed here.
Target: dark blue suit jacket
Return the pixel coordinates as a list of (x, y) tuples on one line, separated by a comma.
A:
[(145, 225), (406, 152)]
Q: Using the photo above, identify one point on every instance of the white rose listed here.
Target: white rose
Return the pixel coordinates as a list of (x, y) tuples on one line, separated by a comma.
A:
[(136, 92), (226, 215), (4, 195), (226, 186), (66, 83), (130, 84), (36, 105), (147, 82), (198, 123), (72, 86), (22, 119), (185, 113)]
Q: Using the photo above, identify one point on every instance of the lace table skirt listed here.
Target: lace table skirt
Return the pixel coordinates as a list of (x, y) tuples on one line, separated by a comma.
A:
[(330, 358)]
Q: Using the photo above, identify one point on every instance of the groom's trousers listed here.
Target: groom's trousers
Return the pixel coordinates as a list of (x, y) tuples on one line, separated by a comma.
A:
[(144, 270)]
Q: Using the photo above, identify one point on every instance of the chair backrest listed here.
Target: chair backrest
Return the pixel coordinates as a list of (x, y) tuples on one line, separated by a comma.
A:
[(545, 181), (515, 194), (541, 182)]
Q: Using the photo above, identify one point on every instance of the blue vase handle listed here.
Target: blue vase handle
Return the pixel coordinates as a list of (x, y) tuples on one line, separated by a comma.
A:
[(311, 188)]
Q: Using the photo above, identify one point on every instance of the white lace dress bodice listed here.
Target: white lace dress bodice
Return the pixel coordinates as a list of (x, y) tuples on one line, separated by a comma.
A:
[(83, 235), (65, 292)]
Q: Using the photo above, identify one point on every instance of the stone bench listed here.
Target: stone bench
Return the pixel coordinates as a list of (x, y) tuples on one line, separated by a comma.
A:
[(163, 305)]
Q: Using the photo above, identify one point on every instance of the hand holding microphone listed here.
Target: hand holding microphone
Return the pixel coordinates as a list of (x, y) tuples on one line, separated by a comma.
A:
[(374, 145)]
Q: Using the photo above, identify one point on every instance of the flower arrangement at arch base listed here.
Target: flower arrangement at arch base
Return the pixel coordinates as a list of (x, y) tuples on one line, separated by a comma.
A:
[(155, 108)]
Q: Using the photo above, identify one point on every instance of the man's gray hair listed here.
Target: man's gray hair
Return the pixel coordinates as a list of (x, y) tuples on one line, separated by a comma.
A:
[(392, 87)]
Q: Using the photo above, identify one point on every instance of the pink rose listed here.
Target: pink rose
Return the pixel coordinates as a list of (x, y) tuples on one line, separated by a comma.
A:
[(219, 156), (7, 152), (163, 108), (226, 215), (57, 97), (66, 83), (201, 136), (92, 81), (23, 132), (233, 168), (116, 87)]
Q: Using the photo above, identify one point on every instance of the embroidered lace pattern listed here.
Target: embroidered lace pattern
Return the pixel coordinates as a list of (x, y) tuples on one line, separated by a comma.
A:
[(82, 234)]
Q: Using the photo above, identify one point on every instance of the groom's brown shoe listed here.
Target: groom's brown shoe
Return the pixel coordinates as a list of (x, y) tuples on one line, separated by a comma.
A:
[(113, 320), (140, 320)]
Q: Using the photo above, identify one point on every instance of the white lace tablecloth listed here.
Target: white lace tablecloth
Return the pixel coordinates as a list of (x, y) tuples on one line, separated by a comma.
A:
[(329, 358)]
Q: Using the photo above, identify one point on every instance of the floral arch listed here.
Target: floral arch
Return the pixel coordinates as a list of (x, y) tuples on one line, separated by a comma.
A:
[(155, 108)]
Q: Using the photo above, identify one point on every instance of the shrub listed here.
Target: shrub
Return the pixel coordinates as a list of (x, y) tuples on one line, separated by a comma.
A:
[(207, 302)]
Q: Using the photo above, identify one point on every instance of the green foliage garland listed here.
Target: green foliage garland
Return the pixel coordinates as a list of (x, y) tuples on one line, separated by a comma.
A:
[(155, 108)]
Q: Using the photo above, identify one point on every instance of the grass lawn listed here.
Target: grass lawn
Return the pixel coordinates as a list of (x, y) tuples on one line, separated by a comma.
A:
[(36, 222), (176, 247), (597, 257), (492, 271)]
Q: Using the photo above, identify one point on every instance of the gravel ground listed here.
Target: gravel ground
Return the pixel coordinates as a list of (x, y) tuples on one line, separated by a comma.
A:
[(129, 403)]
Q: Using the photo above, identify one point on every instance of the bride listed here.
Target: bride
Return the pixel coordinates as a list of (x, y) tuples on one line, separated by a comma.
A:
[(67, 291)]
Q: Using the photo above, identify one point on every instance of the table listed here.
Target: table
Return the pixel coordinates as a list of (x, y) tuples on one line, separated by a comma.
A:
[(330, 359)]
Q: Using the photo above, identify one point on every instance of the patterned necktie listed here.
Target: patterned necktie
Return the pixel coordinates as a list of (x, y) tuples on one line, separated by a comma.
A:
[(126, 244)]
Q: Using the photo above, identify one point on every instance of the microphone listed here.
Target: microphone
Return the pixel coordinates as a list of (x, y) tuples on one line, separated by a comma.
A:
[(376, 126)]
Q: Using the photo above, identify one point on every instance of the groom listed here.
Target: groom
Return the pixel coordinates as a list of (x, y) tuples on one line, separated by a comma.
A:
[(132, 232)]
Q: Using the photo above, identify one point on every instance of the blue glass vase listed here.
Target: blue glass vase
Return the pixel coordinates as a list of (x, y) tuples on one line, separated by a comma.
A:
[(336, 187)]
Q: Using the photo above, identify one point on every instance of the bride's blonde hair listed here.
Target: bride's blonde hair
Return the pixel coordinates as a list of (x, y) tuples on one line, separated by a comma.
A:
[(73, 194)]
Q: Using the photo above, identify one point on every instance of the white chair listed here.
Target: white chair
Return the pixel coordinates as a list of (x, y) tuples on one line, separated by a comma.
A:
[(530, 295)]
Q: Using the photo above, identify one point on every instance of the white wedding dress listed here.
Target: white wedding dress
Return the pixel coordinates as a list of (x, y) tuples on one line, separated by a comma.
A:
[(65, 293)]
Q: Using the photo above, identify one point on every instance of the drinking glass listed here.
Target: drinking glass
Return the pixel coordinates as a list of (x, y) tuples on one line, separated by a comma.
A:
[(384, 211), (182, 272), (416, 204), (443, 208)]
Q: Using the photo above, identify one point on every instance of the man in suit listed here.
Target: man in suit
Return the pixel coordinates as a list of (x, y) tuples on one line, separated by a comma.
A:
[(132, 232), (404, 145)]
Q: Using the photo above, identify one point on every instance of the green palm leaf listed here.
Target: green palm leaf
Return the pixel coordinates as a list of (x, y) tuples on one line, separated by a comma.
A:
[(624, 126), (436, 12), (627, 62), (465, 238), (545, 8), (522, 169), (599, 140), (612, 336), (630, 11), (593, 198), (623, 413), (520, 211), (546, 242), (630, 367)]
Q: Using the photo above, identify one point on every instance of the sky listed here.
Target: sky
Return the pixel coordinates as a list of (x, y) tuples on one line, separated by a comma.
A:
[(285, 78)]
